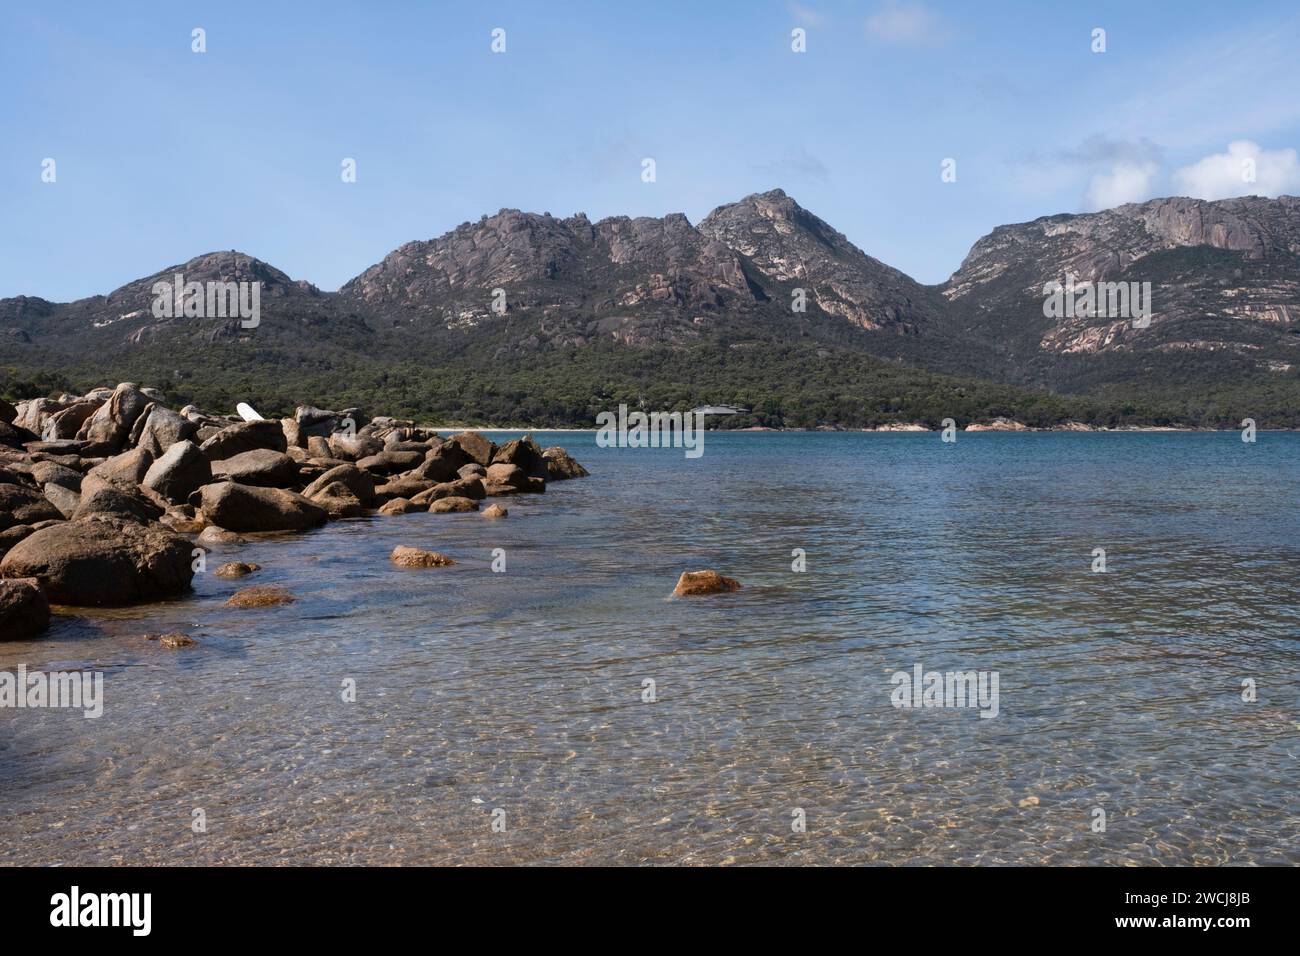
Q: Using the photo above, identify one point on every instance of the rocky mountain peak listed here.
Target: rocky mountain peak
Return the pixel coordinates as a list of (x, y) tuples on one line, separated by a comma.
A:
[(788, 244)]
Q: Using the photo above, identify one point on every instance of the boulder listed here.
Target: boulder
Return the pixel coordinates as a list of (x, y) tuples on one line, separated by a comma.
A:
[(52, 473), (318, 447), (475, 446), (11, 536), (560, 465), (452, 504), (399, 506), (339, 502), (360, 483), (11, 436), (247, 508), (65, 499), (102, 561), (33, 415), (125, 471), (525, 453), (24, 610), (693, 583), (236, 569), (494, 511), (511, 475), (22, 505), (292, 433), (261, 467), (67, 423), (244, 436), (180, 472), (472, 470), (161, 428), (100, 497), (213, 537), (353, 447), (405, 557), (392, 461), (405, 486), (107, 430), (442, 464)]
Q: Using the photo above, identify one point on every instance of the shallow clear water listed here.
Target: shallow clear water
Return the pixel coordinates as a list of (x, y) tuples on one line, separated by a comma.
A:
[(523, 690)]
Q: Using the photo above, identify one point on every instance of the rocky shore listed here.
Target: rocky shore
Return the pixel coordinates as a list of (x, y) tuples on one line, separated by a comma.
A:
[(105, 497)]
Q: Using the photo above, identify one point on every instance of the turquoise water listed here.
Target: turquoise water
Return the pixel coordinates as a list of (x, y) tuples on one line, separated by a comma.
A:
[(523, 691)]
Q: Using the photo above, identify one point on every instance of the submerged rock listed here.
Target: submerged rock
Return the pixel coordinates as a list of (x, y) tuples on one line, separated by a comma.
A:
[(173, 640), (495, 511), (260, 595), (236, 569), (693, 583), (406, 557)]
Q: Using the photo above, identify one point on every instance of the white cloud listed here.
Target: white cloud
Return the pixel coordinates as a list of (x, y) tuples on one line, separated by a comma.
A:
[(1125, 181), (905, 22), (1244, 170)]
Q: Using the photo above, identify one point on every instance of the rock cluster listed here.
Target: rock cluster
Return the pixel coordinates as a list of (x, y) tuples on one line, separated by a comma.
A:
[(105, 496)]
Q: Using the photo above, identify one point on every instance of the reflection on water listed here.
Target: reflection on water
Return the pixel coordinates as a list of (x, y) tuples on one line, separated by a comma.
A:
[(523, 690)]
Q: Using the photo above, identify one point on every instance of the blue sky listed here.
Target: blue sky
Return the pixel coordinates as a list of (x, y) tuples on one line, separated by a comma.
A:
[(163, 154)]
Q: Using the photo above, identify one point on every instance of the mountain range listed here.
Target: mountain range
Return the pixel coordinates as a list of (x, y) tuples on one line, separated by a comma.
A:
[(527, 318)]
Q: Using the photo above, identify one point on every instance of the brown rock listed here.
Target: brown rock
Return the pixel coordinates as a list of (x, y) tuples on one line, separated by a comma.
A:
[(399, 506), (126, 471), (358, 482), (180, 472), (102, 561), (406, 557), (704, 582), (339, 502), (173, 640), (454, 503), (260, 596), (245, 508), (22, 505), (236, 569), (475, 446), (260, 467), (213, 535), (244, 436), (24, 610), (560, 465), (494, 511), (406, 486)]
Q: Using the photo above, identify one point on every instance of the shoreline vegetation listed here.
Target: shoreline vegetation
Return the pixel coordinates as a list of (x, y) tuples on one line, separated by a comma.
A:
[(112, 498), (791, 387)]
